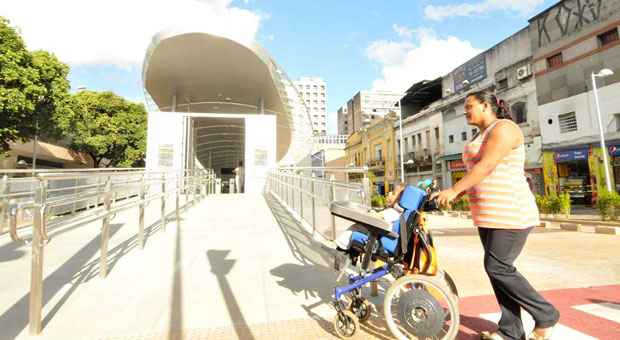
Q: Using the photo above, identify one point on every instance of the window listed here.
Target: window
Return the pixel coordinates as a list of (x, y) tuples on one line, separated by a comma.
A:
[(568, 122), (608, 37), (474, 132), (463, 135), (420, 139), (519, 112), (555, 60), (451, 139), (406, 143), (413, 141), (378, 153), (437, 134), (502, 84)]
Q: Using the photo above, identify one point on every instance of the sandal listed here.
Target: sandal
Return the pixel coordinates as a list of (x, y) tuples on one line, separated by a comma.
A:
[(547, 336), (486, 335)]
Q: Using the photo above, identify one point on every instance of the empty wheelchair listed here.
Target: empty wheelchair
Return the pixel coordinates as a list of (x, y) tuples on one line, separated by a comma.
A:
[(422, 302)]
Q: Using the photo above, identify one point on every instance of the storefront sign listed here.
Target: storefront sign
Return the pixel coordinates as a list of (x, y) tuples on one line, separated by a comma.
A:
[(614, 150), (571, 155), (456, 165)]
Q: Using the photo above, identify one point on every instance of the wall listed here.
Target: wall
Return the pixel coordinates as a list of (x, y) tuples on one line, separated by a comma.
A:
[(165, 133), (260, 150), (571, 28), (585, 112)]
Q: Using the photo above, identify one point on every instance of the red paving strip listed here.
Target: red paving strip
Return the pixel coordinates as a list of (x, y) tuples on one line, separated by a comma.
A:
[(563, 299)]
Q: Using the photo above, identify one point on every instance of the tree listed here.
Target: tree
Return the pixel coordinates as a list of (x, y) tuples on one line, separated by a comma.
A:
[(33, 89), (109, 128)]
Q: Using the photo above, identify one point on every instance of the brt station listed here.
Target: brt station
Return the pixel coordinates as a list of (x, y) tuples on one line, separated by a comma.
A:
[(166, 252)]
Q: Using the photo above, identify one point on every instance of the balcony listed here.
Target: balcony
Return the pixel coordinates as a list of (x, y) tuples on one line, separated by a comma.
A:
[(376, 163)]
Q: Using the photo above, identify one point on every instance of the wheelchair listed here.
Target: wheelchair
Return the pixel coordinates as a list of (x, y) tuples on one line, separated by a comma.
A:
[(422, 302)]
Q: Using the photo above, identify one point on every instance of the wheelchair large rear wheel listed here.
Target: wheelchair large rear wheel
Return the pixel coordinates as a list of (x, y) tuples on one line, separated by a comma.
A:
[(421, 307)]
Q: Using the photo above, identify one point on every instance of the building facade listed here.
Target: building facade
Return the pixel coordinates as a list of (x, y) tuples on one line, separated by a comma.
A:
[(571, 41), (368, 107), (375, 147), (344, 121), (504, 68), (313, 92)]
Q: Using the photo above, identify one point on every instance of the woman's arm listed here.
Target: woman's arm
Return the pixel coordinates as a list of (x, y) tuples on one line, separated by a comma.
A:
[(501, 140)]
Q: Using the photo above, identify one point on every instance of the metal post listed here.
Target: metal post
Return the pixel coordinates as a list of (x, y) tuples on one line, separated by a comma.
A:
[(402, 147), (163, 202), (600, 128), (332, 197), (36, 271), (75, 194), (313, 204), (366, 190), (301, 198), (105, 229), (177, 198), (4, 202), (141, 212)]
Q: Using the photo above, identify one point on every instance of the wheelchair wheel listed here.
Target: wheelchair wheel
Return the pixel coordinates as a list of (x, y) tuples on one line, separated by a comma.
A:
[(346, 324), (421, 307), (361, 308)]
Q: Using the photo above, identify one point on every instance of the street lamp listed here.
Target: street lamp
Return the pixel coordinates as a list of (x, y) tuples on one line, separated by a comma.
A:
[(402, 157), (602, 73)]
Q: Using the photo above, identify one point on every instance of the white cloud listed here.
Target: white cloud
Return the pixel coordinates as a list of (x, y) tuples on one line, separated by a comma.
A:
[(117, 31), (424, 56), (403, 31), (523, 7)]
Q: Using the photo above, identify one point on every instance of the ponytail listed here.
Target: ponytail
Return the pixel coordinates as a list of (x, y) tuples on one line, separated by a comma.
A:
[(498, 106)]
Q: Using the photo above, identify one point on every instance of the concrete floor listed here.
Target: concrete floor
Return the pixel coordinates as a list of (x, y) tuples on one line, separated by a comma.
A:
[(241, 267)]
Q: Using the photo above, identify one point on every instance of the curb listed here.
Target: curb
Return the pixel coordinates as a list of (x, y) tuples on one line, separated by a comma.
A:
[(591, 229)]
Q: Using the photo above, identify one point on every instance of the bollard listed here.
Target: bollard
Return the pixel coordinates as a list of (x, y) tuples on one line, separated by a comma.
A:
[(141, 213), (105, 229), (332, 197), (313, 204), (163, 202), (36, 271)]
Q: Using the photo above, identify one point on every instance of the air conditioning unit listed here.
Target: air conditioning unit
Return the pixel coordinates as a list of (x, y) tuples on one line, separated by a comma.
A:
[(524, 71)]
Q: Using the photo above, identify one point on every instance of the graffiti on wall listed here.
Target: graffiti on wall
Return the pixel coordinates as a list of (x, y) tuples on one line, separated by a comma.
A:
[(569, 16)]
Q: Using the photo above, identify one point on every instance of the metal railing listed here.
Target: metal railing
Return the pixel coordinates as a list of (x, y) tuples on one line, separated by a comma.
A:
[(61, 198), (308, 197), (331, 139)]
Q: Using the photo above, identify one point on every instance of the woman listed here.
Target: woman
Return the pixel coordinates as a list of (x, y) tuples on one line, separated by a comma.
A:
[(504, 210)]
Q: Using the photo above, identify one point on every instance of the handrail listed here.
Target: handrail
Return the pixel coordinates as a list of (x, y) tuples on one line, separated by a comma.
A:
[(60, 197), (294, 191)]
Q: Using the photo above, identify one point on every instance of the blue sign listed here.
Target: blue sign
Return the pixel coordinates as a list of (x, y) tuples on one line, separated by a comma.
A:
[(473, 71), (571, 155)]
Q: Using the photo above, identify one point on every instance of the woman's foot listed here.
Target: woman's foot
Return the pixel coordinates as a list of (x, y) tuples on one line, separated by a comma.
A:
[(486, 335), (541, 334)]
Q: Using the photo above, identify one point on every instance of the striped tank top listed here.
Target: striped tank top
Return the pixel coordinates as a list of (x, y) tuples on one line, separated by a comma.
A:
[(503, 200)]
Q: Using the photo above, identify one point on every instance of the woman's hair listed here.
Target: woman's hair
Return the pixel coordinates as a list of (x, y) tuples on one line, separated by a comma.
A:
[(498, 106)]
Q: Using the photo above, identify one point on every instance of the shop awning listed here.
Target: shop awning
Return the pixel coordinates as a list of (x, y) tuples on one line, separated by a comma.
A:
[(453, 157), (571, 155)]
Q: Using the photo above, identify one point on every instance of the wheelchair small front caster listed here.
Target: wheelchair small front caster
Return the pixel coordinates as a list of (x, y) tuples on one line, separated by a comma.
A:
[(346, 324), (361, 308)]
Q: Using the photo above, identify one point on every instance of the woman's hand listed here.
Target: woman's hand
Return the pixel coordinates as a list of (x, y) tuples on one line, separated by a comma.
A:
[(444, 197)]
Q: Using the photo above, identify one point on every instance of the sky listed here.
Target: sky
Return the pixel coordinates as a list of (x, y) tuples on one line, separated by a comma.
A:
[(352, 44)]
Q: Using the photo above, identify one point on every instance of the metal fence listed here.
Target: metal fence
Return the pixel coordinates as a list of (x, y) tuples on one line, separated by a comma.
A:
[(308, 197), (32, 205)]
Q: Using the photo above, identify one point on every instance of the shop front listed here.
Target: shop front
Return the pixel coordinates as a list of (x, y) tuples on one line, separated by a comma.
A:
[(574, 174), (457, 170), (614, 153), (579, 171)]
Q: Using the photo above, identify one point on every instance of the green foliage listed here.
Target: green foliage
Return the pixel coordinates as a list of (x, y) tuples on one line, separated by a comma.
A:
[(109, 128), (377, 201), (462, 204), (33, 89), (565, 203), (554, 204), (608, 203)]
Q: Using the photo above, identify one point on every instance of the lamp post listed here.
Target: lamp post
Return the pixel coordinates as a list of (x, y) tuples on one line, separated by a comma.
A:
[(602, 73), (402, 157)]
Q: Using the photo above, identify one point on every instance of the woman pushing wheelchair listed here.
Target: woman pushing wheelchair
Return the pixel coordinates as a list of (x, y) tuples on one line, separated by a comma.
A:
[(504, 211)]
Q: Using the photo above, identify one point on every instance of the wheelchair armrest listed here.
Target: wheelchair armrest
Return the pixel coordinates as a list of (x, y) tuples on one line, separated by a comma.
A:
[(374, 230)]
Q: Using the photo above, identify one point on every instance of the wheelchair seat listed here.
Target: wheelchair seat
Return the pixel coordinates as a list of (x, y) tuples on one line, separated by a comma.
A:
[(376, 238)]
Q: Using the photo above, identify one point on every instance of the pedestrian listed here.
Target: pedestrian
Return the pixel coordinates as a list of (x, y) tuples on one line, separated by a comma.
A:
[(504, 211)]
